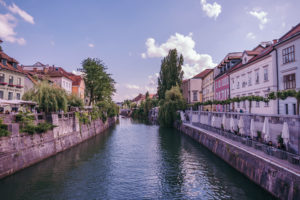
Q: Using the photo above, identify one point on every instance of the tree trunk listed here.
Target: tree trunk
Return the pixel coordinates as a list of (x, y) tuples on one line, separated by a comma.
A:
[(298, 104), (250, 105)]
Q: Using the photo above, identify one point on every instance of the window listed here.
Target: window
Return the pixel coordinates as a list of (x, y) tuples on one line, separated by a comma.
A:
[(244, 104), (238, 104), (257, 104), (289, 81), (14, 65), (245, 60), (232, 80), (19, 81), (286, 109), (249, 79), (266, 103), (257, 77), (10, 95), (4, 62), (288, 54), (294, 108), (195, 96), (18, 96), (2, 78), (266, 74), (11, 80), (1, 94)]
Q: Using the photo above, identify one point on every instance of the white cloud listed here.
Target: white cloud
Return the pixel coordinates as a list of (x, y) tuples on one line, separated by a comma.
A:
[(91, 45), (143, 55), (261, 16), (211, 10), (16, 10), (251, 36), (7, 32), (132, 86), (193, 62)]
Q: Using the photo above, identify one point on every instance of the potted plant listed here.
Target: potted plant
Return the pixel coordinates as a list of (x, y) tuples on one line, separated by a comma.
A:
[(259, 136), (19, 86), (3, 83), (280, 144)]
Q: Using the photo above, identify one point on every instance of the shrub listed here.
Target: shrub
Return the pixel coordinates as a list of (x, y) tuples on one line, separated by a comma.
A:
[(4, 132), (43, 127), (29, 128)]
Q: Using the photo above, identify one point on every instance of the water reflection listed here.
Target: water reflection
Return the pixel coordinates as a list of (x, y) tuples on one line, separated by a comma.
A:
[(132, 161)]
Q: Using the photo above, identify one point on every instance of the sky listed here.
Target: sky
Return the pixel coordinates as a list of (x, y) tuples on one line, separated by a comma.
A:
[(132, 36)]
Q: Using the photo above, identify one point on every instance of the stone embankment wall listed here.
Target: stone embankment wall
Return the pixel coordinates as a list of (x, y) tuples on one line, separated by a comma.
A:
[(282, 182), (275, 124), (21, 150)]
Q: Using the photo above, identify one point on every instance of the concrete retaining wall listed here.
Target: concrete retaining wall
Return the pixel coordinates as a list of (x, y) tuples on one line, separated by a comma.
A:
[(279, 181), (21, 150)]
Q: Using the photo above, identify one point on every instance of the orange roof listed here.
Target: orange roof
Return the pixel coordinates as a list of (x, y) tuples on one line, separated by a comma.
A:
[(75, 79), (203, 73), (293, 31), (9, 62), (252, 53)]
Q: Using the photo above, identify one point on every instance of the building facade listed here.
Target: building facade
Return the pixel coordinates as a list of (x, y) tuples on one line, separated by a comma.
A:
[(221, 79), (288, 63), (12, 78), (256, 75), (192, 90), (208, 88)]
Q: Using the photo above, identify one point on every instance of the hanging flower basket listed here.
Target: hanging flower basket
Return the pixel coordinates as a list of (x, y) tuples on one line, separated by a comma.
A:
[(19, 86), (3, 83), (11, 85)]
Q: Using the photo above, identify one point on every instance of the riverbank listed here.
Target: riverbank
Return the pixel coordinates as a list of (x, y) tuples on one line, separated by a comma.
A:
[(20, 150), (279, 177)]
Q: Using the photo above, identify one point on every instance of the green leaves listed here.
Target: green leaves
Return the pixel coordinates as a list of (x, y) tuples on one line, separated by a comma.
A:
[(49, 98), (171, 73), (98, 83)]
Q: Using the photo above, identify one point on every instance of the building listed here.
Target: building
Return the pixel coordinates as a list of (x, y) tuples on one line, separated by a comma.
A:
[(141, 97), (192, 89), (57, 75), (288, 67), (221, 79), (78, 86), (208, 88), (255, 76), (12, 78)]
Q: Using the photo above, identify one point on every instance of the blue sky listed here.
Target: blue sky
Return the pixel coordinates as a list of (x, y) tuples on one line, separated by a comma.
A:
[(132, 36)]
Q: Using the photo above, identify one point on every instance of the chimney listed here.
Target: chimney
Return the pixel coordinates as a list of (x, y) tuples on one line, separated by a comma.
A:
[(45, 70), (275, 41)]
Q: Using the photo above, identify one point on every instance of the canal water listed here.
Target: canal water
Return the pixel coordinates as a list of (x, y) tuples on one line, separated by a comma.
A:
[(132, 161)]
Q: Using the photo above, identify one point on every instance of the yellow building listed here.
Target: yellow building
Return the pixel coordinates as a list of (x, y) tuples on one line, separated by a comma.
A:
[(12, 78), (208, 89)]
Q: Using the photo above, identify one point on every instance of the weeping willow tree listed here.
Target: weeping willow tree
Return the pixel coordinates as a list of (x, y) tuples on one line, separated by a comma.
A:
[(49, 98)]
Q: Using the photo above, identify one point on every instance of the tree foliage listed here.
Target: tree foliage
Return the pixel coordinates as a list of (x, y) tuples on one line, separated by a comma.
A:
[(75, 101), (173, 102), (98, 83), (171, 73), (49, 98)]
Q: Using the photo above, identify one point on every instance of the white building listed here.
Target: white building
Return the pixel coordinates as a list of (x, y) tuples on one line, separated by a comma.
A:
[(256, 75), (288, 59)]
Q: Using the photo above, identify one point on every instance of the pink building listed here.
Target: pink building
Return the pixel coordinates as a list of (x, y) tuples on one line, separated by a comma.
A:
[(221, 79)]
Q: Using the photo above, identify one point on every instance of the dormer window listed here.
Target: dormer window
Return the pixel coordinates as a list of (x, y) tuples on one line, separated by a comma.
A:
[(4, 62), (14, 65), (245, 59)]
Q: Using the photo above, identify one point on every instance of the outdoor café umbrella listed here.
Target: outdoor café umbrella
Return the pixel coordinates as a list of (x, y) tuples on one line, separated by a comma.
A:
[(213, 120), (252, 129), (232, 124), (285, 134), (266, 130), (241, 126), (224, 121)]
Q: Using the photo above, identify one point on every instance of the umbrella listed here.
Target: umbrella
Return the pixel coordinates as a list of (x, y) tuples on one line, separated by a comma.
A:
[(182, 116), (224, 121), (285, 133), (266, 130), (252, 129), (232, 126), (241, 126), (213, 121)]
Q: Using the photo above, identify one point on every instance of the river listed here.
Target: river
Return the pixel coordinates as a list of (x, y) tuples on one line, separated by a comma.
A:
[(132, 161)]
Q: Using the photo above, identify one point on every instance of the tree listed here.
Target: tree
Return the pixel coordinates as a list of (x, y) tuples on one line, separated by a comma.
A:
[(49, 98), (173, 102), (285, 94), (75, 101), (170, 74), (98, 83)]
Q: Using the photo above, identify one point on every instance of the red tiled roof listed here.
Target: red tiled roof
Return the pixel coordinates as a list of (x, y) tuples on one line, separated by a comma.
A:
[(262, 54), (75, 79), (252, 53), (293, 31), (8, 65), (203, 73)]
